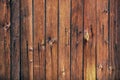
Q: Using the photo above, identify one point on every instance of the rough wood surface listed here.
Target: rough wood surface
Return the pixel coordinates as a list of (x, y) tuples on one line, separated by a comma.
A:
[(77, 40), (51, 39), (102, 39), (89, 39), (39, 40), (26, 40)]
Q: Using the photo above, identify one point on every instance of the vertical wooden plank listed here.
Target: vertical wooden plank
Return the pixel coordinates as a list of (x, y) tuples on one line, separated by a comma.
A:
[(51, 39), (77, 40), (64, 40), (15, 43), (26, 40), (102, 39), (39, 37), (89, 39), (4, 40)]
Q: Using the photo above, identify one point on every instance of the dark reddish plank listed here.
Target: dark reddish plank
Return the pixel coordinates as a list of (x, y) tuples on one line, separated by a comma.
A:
[(89, 39), (51, 39), (39, 37), (64, 40), (77, 40), (5, 40), (26, 40)]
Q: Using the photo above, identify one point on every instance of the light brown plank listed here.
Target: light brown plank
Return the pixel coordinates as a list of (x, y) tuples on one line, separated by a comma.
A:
[(64, 40), (26, 40), (77, 40), (51, 39), (39, 37), (89, 39), (102, 39)]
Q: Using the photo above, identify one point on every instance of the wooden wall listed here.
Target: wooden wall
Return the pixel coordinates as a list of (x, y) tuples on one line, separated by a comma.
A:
[(59, 39)]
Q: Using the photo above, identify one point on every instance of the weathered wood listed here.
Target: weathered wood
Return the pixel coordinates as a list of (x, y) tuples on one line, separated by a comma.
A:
[(39, 40), (102, 39), (64, 40), (26, 40), (15, 43), (89, 39), (77, 40), (51, 39)]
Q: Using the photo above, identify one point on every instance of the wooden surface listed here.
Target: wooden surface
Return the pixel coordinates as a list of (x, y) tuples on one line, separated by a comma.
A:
[(59, 39)]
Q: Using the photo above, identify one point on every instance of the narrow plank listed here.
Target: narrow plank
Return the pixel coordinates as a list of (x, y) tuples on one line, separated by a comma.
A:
[(15, 43), (51, 39), (117, 41), (102, 39), (112, 38), (89, 39), (26, 40), (2, 23), (39, 37), (64, 40), (77, 40)]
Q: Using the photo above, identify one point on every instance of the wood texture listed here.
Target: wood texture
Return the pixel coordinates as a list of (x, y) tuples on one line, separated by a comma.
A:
[(89, 39), (15, 40), (102, 39), (64, 40), (4, 40), (51, 39), (39, 40), (77, 40), (26, 40)]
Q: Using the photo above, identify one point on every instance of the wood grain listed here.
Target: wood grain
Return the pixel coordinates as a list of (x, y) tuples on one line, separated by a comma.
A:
[(39, 40), (89, 39), (51, 39), (26, 40), (77, 40), (102, 39), (15, 40), (64, 40)]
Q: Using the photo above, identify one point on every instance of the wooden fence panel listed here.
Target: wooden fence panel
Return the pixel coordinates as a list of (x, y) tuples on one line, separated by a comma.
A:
[(77, 40), (51, 39), (15, 40), (39, 39), (90, 39), (26, 40), (4, 40), (102, 39), (64, 40)]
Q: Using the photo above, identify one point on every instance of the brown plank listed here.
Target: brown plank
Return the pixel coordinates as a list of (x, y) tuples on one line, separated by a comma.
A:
[(26, 40), (51, 39), (64, 40), (77, 40), (2, 23), (39, 37), (15, 43), (5, 40), (89, 39), (102, 39)]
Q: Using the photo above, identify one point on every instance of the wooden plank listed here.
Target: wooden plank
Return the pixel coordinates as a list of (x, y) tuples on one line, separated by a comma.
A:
[(39, 37), (2, 24), (89, 39), (77, 40), (15, 43), (51, 39), (5, 40), (64, 40), (26, 40), (102, 39)]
